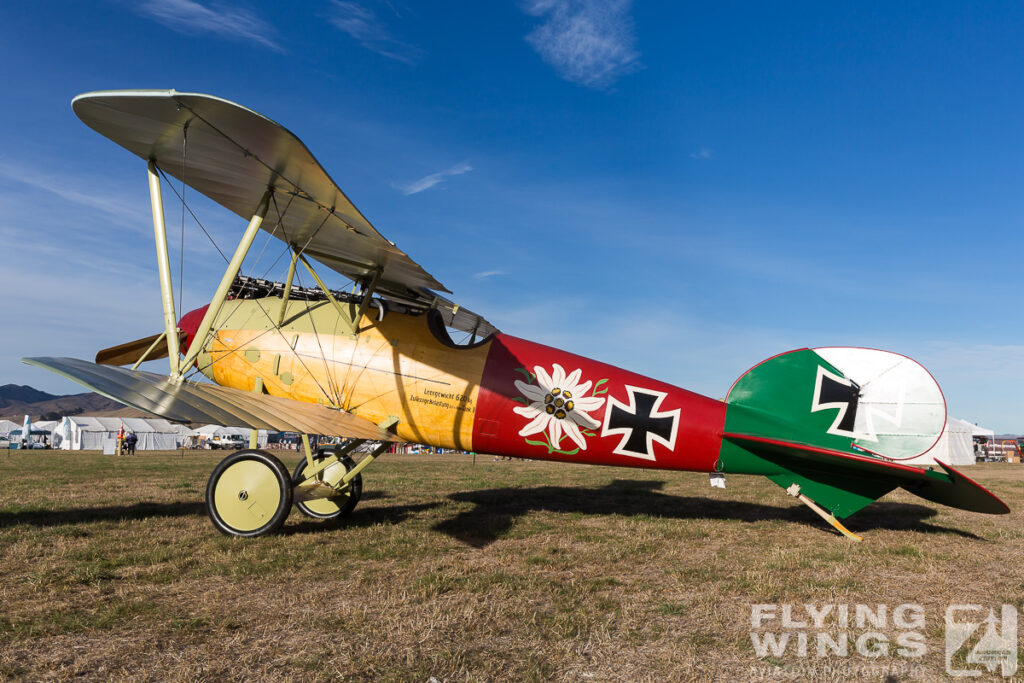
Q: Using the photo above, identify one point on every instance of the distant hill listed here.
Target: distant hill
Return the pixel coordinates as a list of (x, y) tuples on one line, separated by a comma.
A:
[(20, 393), (18, 401)]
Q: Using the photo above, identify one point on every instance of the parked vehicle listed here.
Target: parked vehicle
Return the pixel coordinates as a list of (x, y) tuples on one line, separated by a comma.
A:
[(232, 442)]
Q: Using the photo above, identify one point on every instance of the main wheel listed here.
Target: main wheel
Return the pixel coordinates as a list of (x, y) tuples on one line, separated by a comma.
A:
[(249, 494), (330, 508)]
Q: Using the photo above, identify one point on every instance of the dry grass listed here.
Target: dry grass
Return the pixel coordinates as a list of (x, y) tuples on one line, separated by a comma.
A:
[(109, 569)]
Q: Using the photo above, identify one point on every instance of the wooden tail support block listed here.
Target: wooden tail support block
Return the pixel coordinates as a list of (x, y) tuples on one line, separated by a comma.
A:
[(794, 491)]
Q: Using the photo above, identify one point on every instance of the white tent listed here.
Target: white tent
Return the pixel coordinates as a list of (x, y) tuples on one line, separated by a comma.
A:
[(981, 431), (79, 433), (6, 427), (954, 447)]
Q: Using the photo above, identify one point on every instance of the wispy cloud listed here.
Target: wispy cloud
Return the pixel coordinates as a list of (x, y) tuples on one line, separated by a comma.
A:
[(187, 16), (488, 273), (65, 189), (360, 22), (589, 42), (704, 154), (27, 207), (427, 182)]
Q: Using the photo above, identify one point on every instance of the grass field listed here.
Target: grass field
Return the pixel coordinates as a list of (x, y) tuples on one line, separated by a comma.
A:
[(109, 569)]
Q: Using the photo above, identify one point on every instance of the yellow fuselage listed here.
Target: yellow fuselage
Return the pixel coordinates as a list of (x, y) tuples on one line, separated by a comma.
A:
[(392, 367)]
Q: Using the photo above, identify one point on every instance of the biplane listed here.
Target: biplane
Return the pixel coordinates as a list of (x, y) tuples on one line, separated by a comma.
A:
[(378, 362)]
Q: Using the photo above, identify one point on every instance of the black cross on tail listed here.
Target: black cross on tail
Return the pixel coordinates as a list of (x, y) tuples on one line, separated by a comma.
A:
[(641, 423), (831, 391)]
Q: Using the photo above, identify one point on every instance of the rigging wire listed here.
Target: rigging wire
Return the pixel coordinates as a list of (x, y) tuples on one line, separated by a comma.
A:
[(335, 399), (323, 354), (252, 268), (192, 213), (280, 222), (273, 328), (315, 232), (331, 381)]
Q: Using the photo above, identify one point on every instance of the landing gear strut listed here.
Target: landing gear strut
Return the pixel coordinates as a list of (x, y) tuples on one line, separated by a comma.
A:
[(348, 494)]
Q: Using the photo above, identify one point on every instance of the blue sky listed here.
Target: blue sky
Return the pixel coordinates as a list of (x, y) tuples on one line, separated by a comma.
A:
[(680, 190)]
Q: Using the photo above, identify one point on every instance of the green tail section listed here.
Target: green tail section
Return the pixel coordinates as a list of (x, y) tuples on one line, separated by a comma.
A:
[(837, 422), (774, 399), (843, 399), (838, 493), (846, 483)]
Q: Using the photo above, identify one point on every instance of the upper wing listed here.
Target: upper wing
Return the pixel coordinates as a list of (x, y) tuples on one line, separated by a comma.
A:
[(203, 403), (232, 155)]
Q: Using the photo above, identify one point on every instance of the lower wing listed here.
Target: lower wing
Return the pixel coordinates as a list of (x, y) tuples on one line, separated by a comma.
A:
[(194, 402)]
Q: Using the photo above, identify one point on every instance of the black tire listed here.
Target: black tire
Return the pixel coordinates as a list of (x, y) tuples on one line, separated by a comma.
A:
[(346, 504), (234, 519)]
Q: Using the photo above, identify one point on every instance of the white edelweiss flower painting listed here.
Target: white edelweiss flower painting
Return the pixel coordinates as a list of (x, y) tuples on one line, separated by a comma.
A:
[(558, 404)]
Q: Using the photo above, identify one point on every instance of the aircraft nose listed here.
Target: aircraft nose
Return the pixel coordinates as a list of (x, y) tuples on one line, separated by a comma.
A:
[(189, 325)]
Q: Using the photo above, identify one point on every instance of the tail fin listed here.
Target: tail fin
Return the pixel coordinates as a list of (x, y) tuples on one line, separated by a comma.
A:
[(843, 399), (837, 422)]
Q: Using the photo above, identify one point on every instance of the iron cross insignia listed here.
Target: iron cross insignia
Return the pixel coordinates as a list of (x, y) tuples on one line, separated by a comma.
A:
[(833, 391), (641, 423)]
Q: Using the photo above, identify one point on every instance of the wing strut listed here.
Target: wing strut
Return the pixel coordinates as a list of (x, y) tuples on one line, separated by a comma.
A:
[(368, 293), (350, 317), (164, 265), (225, 283), (343, 315), (287, 288), (178, 365)]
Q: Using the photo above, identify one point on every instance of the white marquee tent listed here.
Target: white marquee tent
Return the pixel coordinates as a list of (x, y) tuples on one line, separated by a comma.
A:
[(955, 446), (77, 433), (981, 431), (6, 427)]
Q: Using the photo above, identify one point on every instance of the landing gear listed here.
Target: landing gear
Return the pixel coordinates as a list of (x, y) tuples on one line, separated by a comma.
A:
[(348, 495), (249, 494)]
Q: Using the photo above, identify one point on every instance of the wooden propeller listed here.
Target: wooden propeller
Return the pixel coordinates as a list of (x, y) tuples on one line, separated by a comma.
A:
[(130, 352)]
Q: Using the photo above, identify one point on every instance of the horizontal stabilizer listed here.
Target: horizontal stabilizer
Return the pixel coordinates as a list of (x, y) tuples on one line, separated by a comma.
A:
[(201, 403), (844, 483), (961, 492)]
